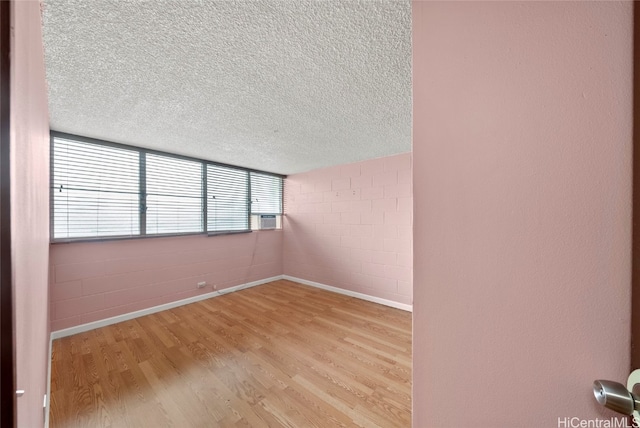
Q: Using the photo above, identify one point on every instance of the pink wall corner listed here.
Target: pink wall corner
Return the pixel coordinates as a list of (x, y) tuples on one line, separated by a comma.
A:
[(522, 203), (97, 280), (29, 209), (350, 227)]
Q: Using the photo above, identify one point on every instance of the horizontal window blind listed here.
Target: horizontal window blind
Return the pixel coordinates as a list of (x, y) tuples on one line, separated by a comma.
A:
[(102, 189), (227, 199), (266, 194), (174, 195), (95, 190)]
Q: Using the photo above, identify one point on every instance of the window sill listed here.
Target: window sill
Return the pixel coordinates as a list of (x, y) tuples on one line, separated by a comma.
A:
[(228, 232), (164, 235)]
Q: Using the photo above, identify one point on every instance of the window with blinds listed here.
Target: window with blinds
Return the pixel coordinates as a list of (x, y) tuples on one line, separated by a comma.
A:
[(266, 194), (173, 194), (101, 189), (227, 199), (95, 190)]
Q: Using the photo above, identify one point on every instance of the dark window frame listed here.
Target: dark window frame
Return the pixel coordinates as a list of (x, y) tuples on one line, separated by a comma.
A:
[(142, 183)]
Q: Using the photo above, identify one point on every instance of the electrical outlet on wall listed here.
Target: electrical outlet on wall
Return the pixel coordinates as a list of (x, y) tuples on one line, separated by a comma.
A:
[(202, 284)]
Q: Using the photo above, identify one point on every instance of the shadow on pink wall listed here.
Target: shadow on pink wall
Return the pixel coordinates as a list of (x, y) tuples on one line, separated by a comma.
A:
[(350, 227), (29, 209), (522, 171)]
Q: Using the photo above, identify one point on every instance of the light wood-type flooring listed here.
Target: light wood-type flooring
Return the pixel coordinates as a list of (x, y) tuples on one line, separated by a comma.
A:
[(276, 355)]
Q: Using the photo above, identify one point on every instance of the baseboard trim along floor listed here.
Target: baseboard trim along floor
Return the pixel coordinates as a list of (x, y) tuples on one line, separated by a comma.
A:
[(281, 354), (131, 315), (385, 302)]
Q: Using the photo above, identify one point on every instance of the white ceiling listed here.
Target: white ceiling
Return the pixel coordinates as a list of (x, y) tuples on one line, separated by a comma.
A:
[(282, 86)]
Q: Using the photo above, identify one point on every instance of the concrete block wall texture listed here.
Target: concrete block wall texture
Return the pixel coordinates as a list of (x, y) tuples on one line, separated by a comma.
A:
[(91, 281), (350, 227)]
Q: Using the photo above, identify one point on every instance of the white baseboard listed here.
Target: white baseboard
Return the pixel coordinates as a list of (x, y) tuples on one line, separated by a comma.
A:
[(131, 315), (397, 305), (47, 397)]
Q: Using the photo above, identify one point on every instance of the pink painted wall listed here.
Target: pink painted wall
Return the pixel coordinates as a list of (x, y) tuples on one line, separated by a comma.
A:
[(29, 209), (522, 187), (350, 227), (96, 280)]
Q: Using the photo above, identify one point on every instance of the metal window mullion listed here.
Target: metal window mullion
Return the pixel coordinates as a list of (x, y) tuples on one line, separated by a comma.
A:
[(204, 198), (143, 192), (248, 201), (51, 177), (281, 186)]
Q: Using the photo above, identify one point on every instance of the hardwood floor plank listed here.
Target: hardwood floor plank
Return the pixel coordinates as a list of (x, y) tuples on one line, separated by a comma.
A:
[(357, 418), (277, 355), (327, 415)]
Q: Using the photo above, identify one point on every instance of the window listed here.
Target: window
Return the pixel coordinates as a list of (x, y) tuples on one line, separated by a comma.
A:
[(266, 194), (266, 199), (227, 198), (101, 189), (95, 190), (174, 195)]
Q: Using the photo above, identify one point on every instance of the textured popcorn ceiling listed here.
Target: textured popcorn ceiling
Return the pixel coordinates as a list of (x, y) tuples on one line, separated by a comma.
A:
[(284, 86)]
